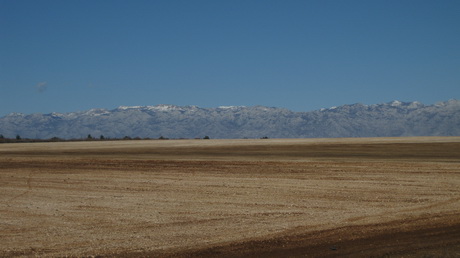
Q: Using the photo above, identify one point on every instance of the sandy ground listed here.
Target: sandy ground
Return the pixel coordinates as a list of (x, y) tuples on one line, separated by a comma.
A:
[(278, 197)]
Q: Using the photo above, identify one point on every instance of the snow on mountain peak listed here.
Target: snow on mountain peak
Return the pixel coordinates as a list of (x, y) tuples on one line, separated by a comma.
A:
[(96, 112), (452, 102), (128, 107), (15, 114), (164, 107), (230, 107), (415, 104), (160, 107), (56, 114), (396, 103)]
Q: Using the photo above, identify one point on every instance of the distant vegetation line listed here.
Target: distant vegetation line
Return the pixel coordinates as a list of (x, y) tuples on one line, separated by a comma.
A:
[(18, 139)]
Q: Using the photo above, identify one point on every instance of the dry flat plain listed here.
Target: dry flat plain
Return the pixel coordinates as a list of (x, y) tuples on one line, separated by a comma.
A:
[(278, 197)]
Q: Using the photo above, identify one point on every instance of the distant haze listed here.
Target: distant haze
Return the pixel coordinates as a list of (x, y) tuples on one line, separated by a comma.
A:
[(389, 119)]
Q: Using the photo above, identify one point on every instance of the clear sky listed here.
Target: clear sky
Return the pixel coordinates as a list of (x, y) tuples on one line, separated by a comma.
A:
[(73, 55)]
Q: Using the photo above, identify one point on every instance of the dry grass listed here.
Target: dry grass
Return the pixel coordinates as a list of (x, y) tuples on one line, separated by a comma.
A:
[(317, 197)]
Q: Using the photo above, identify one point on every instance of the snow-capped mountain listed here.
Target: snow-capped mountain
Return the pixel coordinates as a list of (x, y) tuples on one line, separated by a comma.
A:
[(357, 120)]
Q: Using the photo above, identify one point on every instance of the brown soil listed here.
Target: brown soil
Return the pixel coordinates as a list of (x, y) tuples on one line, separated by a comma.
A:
[(224, 198)]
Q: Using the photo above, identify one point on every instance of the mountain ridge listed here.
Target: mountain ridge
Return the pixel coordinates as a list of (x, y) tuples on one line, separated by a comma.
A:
[(391, 119)]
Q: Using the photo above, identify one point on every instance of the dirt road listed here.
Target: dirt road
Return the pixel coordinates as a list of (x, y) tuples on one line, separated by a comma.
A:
[(277, 197)]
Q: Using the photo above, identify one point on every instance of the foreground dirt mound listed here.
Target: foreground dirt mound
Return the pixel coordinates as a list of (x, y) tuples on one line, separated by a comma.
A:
[(226, 198)]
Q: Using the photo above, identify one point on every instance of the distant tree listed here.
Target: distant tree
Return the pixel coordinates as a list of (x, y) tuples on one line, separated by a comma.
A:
[(162, 138), (206, 137), (89, 137), (102, 137), (18, 137), (1, 136), (265, 137), (55, 139), (126, 138)]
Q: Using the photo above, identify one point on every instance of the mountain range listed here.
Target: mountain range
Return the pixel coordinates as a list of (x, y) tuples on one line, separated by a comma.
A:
[(390, 119)]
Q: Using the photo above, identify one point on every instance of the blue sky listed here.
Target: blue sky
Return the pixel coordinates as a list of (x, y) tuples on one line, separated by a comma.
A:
[(74, 55)]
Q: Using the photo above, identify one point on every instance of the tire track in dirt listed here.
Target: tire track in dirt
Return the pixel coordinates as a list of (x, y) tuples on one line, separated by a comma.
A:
[(434, 205), (420, 237), (418, 208), (29, 188)]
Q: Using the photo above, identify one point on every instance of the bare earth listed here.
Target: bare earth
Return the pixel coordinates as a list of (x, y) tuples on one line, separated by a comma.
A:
[(278, 197)]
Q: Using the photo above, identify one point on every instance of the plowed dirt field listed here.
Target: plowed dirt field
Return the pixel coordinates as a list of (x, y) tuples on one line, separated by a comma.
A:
[(365, 197)]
